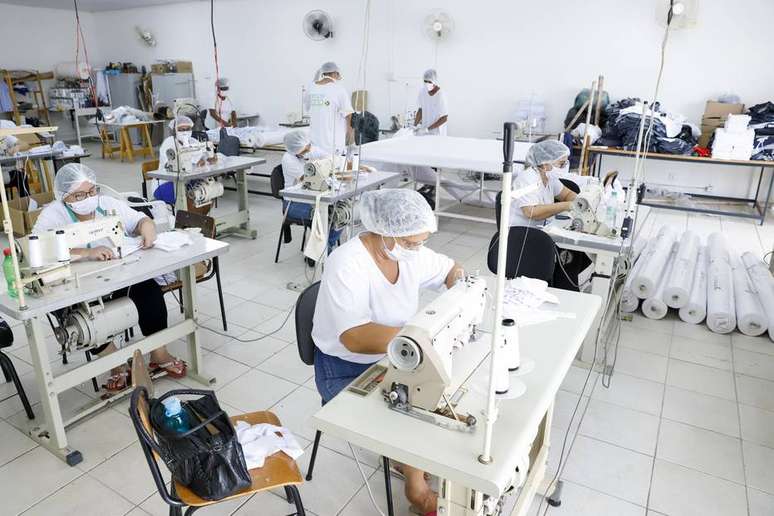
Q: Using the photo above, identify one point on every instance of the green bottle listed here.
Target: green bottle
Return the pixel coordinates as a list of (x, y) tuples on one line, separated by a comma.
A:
[(8, 271)]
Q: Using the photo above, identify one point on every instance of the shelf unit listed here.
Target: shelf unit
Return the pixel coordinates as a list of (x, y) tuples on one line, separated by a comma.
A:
[(38, 98)]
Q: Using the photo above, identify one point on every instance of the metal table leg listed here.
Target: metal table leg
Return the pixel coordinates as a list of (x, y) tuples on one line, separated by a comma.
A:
[(188, 278), (238, 224), (600, 286)]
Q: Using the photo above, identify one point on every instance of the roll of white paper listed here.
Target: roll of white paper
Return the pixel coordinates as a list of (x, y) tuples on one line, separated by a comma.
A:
[(654, 307), (678, 287), (629, 301), (721, 311), (34, 252), (750, 317), (62, 247), (648, 278), (761, 283), (695, 310)]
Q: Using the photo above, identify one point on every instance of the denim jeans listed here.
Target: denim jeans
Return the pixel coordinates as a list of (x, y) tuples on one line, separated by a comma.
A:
[(305, 212), (332, 374)]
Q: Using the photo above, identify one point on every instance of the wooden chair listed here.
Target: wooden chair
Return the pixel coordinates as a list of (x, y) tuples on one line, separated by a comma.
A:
[(109, 145), (279, 470), (148, 166), (205, 270)]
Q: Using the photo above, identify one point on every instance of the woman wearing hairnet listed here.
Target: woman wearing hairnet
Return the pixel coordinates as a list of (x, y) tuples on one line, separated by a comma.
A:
[(370, 288), (78, 200)]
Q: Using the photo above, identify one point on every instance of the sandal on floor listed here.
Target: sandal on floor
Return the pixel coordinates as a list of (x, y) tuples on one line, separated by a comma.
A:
[(175, 368), (117, 382)]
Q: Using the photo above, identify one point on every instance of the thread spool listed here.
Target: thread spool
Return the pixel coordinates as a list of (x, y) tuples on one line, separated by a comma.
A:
[(62, 247), (34, 252), (502, 379), (512, 351)]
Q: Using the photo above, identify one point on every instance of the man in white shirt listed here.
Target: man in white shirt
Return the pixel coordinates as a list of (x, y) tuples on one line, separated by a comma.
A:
[(223, 114), (432, 113), (330, 110), (370, 288), (543, 162)]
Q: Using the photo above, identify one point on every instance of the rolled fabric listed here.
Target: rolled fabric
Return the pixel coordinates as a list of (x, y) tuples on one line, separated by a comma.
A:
[(695, 310), (750, 317), (721, 311), (761, 283), (629, 301), (678, 286), (647, 280), (654, 307)]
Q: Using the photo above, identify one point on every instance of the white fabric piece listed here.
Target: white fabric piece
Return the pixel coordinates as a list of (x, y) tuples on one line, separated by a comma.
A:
[(646, 281), (595, 133), (629, 301), (317, 243), (695, 310), (678, 286), (254, 137), (750, 317), (126, 115), (528, 293), (354, 292), (433, 107), (761, 283), (328, 105), (263, 440), (172, 240), (654, 307), (721, 311)]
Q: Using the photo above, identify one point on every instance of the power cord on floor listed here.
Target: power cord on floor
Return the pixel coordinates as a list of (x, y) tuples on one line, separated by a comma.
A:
[(365, 479)]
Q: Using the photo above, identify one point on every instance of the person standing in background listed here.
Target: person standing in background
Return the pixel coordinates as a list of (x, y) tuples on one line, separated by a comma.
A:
[(432, 113), (330, 110), (223, 114)]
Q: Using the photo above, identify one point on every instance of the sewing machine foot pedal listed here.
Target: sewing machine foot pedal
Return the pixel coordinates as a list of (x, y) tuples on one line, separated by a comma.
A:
[(74, 458), (555, 498)]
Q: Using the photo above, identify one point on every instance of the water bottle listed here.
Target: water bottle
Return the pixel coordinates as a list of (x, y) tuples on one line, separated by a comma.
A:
[(612, 210), (8, 271), (175, 419)]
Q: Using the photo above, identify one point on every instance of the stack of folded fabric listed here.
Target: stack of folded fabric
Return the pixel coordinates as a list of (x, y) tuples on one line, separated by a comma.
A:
[(762, 122), (735, 140)]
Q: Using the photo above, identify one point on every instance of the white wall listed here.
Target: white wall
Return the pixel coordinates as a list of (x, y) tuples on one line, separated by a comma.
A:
[(501, 51)]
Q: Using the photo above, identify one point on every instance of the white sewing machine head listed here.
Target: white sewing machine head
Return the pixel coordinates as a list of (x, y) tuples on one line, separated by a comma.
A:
[(190, 153), (586, 216), (421, 354), (319, 173)]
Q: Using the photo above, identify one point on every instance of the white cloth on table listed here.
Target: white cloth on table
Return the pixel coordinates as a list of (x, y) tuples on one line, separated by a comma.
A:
[(263, 440), (433, 107), (522, 299), (172, 240)]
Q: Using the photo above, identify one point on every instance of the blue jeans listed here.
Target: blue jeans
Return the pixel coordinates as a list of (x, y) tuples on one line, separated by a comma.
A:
[(332, 374), (305, 212)]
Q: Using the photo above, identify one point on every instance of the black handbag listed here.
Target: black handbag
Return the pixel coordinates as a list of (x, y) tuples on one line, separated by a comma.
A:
[(208, 458)]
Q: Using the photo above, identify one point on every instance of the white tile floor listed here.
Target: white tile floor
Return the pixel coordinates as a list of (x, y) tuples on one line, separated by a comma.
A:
[(686, 428)]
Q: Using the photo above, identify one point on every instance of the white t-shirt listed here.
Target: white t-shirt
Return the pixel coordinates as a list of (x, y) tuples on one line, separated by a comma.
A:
[(546, 194), (354, 292), (328, 105), (226, 107), (56, 215), (433, 107), (293, 166)]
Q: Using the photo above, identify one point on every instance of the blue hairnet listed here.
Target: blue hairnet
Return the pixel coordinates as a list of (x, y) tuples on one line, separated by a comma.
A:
[(396, 212), (544, 152), (70, 176)]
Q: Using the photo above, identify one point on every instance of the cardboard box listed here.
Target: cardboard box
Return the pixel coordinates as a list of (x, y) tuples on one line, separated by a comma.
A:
[(159, 68), (183, 66), (22, 219), (721, 109), (360, 100), (27, 141)]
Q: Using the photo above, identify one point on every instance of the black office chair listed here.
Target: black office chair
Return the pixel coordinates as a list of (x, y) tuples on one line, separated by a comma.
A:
[(9, 371), (277, 184), (304, 316), (531, 253), (570, 185)]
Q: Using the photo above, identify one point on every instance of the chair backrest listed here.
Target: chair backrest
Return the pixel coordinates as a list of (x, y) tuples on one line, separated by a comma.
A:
[(570, 185), (498, 208), (531, 253), (186, 219), (228, 145), (277, 181), (305, 305), (140, 375), (149, 166)]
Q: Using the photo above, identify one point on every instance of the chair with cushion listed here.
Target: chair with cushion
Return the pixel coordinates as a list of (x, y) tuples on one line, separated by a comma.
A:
[(205, 270), (305, 305), (279, 470), (570, 185), (531, 253), (9, 371), (277, 184)]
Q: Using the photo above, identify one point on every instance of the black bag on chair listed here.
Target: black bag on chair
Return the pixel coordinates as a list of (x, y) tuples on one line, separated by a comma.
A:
[(208, 458), (228, 145)]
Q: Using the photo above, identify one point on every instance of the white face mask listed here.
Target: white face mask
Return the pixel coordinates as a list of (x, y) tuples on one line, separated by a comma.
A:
[(84, 207), (563, 170), (429, 86), (399, 253), (184, 136)]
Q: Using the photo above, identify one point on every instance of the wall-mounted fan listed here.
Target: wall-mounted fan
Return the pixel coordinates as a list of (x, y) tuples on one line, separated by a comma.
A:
[(318, 25), (438, 25), (146, 36), (682, 13)]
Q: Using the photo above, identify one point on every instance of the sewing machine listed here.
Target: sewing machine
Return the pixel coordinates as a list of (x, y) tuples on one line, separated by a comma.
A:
[(319, 173), (44, 259), (585, 213), (189, 155), (419, 381)]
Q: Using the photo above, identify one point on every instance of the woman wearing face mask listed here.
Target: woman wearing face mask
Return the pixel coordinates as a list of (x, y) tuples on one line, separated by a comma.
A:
[(78, 200), (370, 288), (432, 113)]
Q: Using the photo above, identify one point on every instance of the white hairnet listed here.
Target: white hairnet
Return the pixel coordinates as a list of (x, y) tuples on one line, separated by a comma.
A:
[(180, 120), (317, 75), (295, 141), (70, 176), (546, 151), (431, 75), (222, 83), (329, 67), (396, 212)]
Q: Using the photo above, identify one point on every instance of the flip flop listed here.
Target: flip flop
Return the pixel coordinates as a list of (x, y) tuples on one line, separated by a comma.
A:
[(118, 385), (171, 368)]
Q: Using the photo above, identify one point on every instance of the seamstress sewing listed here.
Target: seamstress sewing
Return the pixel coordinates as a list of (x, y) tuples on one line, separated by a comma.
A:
[(223, 114), (78, 200), (330, 110), (432, 113), (370, 288), (298, 150)]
